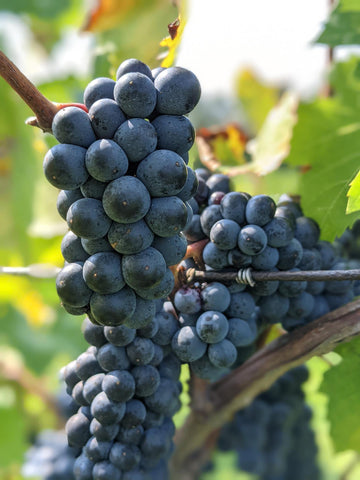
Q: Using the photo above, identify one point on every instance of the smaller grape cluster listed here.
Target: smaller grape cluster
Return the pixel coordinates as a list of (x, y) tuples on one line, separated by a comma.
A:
[(50, 457), (125, 186), (214, 329), (127, 388), (272, 437)]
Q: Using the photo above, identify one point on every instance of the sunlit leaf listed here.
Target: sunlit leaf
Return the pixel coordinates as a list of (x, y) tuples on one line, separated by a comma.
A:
[(353, 204), (343, 26), (13, 441), (327, 139), (342, 387), (272, 144), (256, 98)]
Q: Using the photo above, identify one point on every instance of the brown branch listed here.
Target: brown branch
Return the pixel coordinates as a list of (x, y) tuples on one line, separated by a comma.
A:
[(40, 105), (239, 388), (19, 374)]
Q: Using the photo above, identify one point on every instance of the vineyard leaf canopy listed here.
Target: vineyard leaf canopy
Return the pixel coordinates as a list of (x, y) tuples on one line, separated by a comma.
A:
[(327, 139), (354, 195), (343, 26), (341, 385)]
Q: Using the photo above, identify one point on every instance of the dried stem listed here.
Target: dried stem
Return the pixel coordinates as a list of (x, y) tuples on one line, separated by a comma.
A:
[(193, 275), (40, 105), (239, 388)]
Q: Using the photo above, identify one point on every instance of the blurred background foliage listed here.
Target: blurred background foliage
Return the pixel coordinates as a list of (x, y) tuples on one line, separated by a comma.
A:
[(275, 142)]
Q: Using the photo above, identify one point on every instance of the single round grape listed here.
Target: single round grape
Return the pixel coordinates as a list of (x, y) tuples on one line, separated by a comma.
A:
[(233, 205), (119, 385), (260, 209), (97, 450), (149, 262), (290, 256), (104, 470), (238, 259), (222, 354), (64, 166), (111, 357), (190, 187), (163, 172), (160, 290), (92, 386), (72, 249), (65, 199), (173, 249), (168, 325), (137, 138), (174, 132), (143, 314), (209, 216), (301, 305), (136, 94), (106, 161), (307, 231), (224, 233), (72, 125), (218, 182), (126, 200), (212, 326), (140, 351), (166, 216), (215, 296), (252, 240), (166, 398), (135, 414), (133, 65), (240, 333), (106, 117), (102, 272), (147, 380), (120, 335), (178, 91), (77, 430), (92, 188), (86, 218), (115, 308), (187, 345), (70, 286), (129, 238), (101, 87), (187, 300), (279, 232), (193, 231), (266, 260), (106, 411), (214, 257), (93, 334), (242, 305), (96, 245)]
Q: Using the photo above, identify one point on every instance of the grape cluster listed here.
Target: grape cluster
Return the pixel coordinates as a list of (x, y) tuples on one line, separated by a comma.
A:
[(217, 327), (50, 457), (125, 190), (219, 323), (272, 436), (127, 388)]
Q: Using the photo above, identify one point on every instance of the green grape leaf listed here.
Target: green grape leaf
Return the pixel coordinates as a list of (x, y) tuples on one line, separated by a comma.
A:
[(39, 8), (326, 139), (13, 441), (341, 385), (343, 26), (39, 345), (353, 204)]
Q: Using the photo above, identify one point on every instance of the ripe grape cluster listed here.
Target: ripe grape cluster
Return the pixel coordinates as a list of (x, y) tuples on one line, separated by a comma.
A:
[(125, 186), (272, 437), (126, 385), (218, 322)]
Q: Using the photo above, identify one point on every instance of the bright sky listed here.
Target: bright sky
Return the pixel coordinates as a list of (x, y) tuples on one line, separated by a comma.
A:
[(273, 37)]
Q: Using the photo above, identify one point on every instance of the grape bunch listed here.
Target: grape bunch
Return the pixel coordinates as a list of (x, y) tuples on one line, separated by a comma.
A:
[(125, 190), (127, 388), (272, 437), (217, 328), (50, 457), (219, 323)]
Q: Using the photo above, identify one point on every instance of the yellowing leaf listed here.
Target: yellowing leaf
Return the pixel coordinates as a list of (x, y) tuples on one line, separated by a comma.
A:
[(256, 98), (272, 145), (353, 195), (107, 14), (172, 42)]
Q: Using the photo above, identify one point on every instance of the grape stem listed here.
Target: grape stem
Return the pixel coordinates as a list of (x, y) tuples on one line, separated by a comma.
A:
[(192, 275), (238, 389), (43, 108)]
